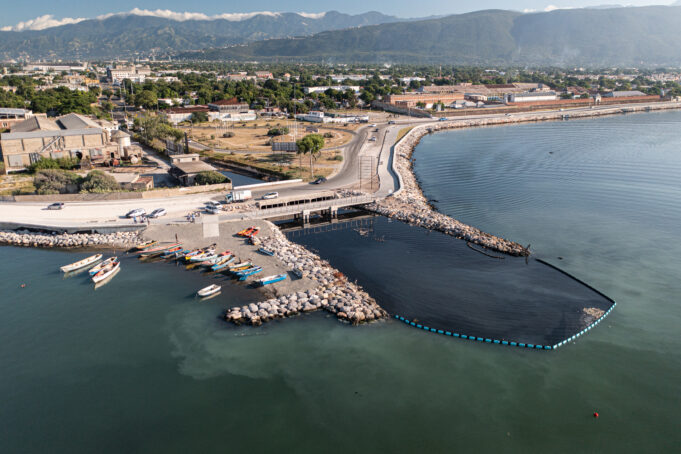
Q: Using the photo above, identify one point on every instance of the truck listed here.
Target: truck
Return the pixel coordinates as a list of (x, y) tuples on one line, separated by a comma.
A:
[(238, 196)]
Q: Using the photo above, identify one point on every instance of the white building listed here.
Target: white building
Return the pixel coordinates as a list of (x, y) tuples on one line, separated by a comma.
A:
[(531, 96), (322, 89)]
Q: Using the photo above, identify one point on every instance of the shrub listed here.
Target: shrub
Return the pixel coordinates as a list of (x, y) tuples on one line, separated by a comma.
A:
[(98, 181), (227, 135), (338, 157), (328, 135), (278, 131), (210, 177), (54, 181), (49, 163)]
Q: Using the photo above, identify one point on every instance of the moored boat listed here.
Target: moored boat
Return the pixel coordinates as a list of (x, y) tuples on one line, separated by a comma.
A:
[(82, 263), (171, 252), (159, 249), (271, 279), (145, 245), (97, 268), (208, 291), (243, 275), (106, 272), (240, 266), (264, 250), (224, 263)]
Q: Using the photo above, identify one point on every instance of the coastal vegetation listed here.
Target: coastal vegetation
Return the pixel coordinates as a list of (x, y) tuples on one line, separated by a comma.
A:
[(57, 181), (210, 177)]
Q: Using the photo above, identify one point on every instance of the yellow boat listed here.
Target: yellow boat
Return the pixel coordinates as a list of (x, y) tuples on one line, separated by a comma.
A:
[(240, 266), (147, 245)]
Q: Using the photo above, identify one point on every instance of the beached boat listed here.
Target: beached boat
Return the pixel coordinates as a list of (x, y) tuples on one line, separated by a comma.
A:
[(222, 257), (203, 257), (196, 252), (240, 266), (264, 250), (106, 272), (97, 268), (243, 275), (208, 291), (254, 240), (249, 231), (82, 263), (159, 249), (145, 245), (171, 252), (224, 263), (271, 279)]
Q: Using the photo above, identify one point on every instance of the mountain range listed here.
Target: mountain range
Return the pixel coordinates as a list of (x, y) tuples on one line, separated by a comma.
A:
[(130, 34), (609, 36), (641, 36)]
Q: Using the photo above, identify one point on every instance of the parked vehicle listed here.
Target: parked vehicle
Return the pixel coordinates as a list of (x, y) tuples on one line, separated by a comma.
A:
[(391, 122), (319, 180), (238, 196), (214, 203), (442, 119), (270, 195), (136, 212), (56, 206), (158, 212), (373, 139), (212, 209)]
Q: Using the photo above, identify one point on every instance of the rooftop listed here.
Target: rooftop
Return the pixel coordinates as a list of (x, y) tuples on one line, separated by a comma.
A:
[(193, 167)]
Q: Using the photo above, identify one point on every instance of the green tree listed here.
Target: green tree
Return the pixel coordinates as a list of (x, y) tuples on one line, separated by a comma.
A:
[(98, 181), (311, 144), (210, 177), (282, 131), (53, 181), (199, 117)]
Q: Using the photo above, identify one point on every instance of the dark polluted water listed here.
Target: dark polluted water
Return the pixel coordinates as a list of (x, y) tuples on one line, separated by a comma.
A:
[(139, 365)]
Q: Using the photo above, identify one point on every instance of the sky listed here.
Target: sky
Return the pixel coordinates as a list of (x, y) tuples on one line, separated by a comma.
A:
[(43, 13)]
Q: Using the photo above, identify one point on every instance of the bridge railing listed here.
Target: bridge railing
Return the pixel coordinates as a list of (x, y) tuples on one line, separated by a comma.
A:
[(292, 209)]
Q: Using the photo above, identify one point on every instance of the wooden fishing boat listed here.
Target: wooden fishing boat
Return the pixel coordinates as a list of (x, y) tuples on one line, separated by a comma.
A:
[(240, 266), (203, 257), (271, 279), (106, 272), (208, 291), (243, 275), (222, 256), (195, 252), (145, 245), (97, 268), (264, 250), (82, 263), (248, 232), (253, 232), (254, 240), (224, 263), (160, 249), (171, 252)]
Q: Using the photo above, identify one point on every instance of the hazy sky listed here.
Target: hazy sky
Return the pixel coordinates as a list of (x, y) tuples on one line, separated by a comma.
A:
[(14, 12)]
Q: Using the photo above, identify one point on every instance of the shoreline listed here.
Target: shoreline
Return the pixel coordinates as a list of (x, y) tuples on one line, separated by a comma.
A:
[(26, 238), (409, 204)]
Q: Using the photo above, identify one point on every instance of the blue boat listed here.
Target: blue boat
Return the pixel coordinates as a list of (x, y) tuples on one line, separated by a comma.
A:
[(265, 251), (225, 264), (271, 279), (243, 275)]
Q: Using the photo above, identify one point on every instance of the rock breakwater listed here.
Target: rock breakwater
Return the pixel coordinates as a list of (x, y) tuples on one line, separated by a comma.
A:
[(335, 294), (64, 240)]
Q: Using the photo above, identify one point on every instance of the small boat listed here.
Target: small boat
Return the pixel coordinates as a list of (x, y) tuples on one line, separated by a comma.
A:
[(145, 245), (196, 252), (243, 275), (222, 257), (249, 231), (160, 249), (172, 252), (253, 232), (271, 279), (208, 291), (106, 272), (203, 257), (254, 240), (82, 263), (97, 268), (224, 263), (264, 250), (240, 266)]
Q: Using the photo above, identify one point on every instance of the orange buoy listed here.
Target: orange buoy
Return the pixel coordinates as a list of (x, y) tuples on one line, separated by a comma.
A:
[(23, 285), (595, 414)]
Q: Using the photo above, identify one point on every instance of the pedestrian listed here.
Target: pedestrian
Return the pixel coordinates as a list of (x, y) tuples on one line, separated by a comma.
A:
[(134, 219), (176, 240), (148, 220)]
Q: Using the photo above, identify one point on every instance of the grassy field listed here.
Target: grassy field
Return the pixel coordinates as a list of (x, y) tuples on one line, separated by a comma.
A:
[(16, 184), (252, 136)]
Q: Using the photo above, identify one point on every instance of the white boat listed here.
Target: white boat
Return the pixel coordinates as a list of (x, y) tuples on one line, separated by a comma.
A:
[(208, 291), (82, 263), (106, 272), (97, 268)]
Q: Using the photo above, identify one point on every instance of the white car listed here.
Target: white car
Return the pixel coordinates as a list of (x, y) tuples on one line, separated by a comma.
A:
[(270, 195), (136, 212), (373, 125), (158, 212), (373, 139), (212, 209), (214, 203)]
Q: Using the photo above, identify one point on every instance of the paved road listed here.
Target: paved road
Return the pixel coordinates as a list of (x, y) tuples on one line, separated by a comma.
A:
[(359, 154)]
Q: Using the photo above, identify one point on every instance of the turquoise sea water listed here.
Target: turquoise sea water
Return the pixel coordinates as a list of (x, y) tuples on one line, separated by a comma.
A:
[(139, 365)]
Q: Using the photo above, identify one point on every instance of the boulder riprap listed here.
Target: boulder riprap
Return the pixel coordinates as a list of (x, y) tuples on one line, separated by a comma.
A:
[(348, 301), (65, 240)]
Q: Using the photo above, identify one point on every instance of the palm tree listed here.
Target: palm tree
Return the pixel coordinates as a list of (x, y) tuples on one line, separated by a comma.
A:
[(312, 144)]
